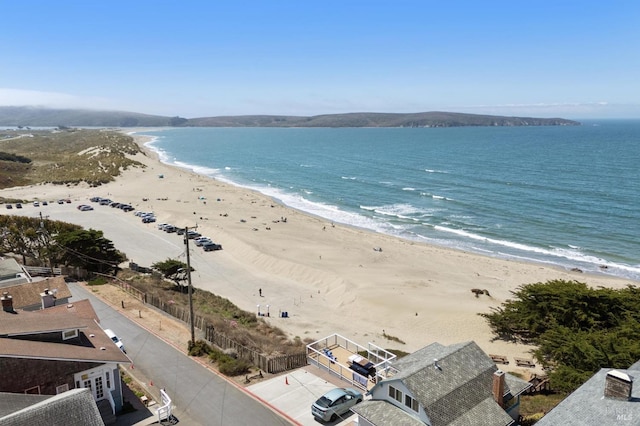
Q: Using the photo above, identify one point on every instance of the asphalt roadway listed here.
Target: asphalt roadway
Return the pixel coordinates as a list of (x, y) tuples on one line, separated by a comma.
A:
[(199, 396)]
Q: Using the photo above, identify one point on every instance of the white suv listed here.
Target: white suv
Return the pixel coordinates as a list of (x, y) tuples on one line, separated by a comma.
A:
[(115, 339)]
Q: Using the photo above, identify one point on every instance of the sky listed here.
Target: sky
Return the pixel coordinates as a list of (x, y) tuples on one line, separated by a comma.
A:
[(561, 58)]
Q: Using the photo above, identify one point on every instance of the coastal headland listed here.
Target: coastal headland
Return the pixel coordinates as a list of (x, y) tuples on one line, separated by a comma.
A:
[(330, 278)]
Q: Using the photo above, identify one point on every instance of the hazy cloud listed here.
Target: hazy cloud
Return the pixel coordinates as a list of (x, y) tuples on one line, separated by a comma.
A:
[(19, 97)]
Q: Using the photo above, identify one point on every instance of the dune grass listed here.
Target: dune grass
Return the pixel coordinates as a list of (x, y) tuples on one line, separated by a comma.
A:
[(66, 157)]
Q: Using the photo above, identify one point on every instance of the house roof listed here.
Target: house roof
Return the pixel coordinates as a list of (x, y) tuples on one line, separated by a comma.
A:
[(75, 406), (28, 294), (9, 267), (22, 335), (457, 388), (9, 270), (587, 405), (379, 412)]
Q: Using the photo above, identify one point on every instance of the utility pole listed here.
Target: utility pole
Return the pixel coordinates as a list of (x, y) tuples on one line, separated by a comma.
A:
[(186, 243)]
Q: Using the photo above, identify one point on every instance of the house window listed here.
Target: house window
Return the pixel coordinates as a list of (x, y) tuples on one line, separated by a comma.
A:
[(69, 334), (411, 403), (108, 380), (395, 394), (62, 388), (99, 388), (34, 390)]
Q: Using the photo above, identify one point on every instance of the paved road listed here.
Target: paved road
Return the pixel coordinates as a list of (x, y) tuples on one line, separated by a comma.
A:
[(200, 397)]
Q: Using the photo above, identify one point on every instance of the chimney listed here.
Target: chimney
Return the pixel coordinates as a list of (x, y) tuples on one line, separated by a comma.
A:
[(48, 299), (618, 385), (498, 387), (7, 302)]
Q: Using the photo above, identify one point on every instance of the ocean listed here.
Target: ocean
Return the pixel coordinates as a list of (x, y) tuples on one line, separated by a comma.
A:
[(564, 196)]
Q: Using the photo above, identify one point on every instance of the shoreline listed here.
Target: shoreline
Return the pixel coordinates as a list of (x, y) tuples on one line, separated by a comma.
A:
[(327, 276), (560, 256)]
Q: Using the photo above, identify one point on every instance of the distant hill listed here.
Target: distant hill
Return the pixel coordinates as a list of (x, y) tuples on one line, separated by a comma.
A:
[(44, 117), (369, 119)]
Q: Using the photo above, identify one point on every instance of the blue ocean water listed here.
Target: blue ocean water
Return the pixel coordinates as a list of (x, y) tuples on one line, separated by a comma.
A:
[(565, 196)]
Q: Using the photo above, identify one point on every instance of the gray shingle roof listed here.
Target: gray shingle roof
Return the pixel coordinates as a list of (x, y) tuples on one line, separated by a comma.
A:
[(462, 381), (384, 413), (587, 405), (72, 408), (458, 391)]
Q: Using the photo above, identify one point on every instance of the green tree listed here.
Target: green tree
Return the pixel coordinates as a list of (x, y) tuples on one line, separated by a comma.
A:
[(174, 270), (89, 249), (32, 237), (577, 329)]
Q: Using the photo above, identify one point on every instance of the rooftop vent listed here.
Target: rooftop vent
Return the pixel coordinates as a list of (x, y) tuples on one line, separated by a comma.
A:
[(618, 385), (436, 365)]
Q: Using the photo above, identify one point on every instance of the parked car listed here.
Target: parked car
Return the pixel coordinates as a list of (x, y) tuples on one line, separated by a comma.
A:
[(148, 219), (44, 203), (36, 204), (193, 234), (18, 206), (115, 339), (61, 201), (95, 199), (84, 208), (104, 202), (335, 403), (180, 231), (9, 206), (170, 228), (211, 246), (201, 240)]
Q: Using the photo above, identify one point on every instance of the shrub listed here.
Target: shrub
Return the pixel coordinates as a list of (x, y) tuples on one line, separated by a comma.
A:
[(234, 367), (199, 348), (97, 281)]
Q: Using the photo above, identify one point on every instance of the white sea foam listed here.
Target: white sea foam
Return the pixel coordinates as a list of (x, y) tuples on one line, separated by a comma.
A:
[(201, 170), (423, 223)]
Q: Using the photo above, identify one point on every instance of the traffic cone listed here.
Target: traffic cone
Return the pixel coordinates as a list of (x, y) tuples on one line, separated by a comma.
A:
[(286, 380)]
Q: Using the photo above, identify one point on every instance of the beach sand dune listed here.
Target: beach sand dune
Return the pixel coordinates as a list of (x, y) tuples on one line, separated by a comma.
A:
[(330, 278)]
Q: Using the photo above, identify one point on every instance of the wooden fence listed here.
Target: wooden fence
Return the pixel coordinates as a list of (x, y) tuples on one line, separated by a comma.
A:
[(42, 270), (269, 364)]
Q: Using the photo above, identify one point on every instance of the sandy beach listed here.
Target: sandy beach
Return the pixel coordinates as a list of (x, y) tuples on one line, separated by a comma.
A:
[(329, 278)]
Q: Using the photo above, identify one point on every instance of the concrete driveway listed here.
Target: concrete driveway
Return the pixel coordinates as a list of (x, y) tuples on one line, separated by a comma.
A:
[(295, 391)]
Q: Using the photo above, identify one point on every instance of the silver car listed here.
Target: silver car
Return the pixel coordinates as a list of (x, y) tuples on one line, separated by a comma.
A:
[(335, 403)]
